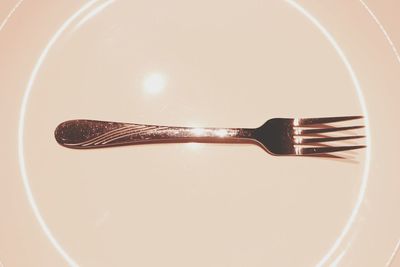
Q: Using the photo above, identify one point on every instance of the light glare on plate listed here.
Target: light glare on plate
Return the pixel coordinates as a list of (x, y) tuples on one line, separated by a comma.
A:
[(154, 83), (194, 146)]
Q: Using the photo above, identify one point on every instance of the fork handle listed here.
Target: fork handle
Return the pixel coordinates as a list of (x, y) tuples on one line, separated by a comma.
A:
[(95, 134)]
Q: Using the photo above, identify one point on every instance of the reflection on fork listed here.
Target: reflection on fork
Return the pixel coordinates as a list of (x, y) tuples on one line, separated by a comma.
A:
[(278, 136)]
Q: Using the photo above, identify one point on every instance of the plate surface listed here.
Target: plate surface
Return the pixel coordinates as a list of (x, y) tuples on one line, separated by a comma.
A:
[(219, 64)]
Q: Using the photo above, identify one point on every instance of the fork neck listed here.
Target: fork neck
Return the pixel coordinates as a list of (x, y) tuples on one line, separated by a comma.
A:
[(213, 135), (223, 133)]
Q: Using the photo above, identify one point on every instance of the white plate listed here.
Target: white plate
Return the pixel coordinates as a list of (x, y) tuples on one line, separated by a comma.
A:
[(195, 64)]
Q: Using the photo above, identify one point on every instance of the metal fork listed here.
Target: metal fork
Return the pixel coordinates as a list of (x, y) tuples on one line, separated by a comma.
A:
[(279, 136)]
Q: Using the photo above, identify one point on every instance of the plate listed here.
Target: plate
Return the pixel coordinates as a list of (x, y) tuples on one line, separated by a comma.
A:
[(215, 64)]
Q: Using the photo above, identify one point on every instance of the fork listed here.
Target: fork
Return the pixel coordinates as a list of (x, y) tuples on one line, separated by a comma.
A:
[(278, 136)]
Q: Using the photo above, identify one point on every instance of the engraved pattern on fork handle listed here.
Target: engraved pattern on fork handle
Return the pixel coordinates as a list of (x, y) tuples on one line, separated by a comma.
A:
[(83, 134)]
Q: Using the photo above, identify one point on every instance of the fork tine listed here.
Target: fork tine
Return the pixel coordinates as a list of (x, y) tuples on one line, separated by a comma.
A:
[(325, 139), (328, 130), (324, 150), (310, 121)]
